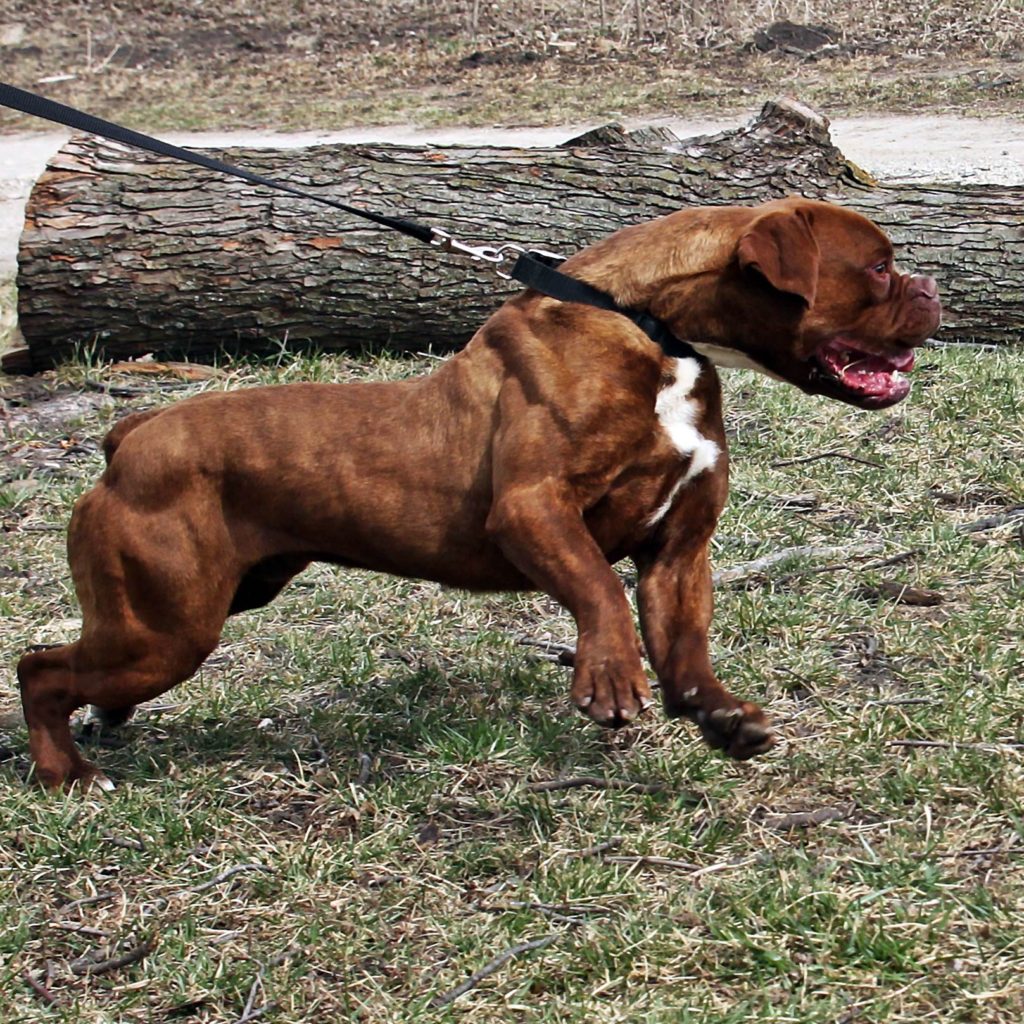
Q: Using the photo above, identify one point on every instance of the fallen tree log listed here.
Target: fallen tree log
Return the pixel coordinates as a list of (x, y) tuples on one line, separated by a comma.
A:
[(125, 253)]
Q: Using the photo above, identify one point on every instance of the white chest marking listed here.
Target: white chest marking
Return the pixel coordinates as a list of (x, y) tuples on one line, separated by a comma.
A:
[(732, 358), (677, 413)]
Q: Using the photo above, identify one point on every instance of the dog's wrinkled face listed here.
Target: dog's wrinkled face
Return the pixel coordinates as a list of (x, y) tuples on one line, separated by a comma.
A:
[(861, 318)]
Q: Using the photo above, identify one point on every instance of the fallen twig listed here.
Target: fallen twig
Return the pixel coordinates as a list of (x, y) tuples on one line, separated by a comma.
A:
[(592, 851), (786, 502), (725, 865), (990, 851), (827, 455), (81, 929), (162, 901), (806, 819), (596, 782), (85, 901), (253, 990), (898, 702), (251, 1011), (488, 969), (568, 913), (746, 570), (257, 1013), (87, 965), (41, 990), (944, 745), (1011, 515), (559, 654), (695, 870), (185, 371), (655, 862), (903, 556), (225, 875)]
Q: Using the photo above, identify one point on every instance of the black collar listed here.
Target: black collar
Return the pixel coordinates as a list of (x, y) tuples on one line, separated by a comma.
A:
[(538, 271)]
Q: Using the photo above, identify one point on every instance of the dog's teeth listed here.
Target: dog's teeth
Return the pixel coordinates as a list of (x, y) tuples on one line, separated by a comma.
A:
[(584, 702)]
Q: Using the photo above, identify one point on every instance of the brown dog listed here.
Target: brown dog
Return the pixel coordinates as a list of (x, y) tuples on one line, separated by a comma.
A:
[(560, 440)]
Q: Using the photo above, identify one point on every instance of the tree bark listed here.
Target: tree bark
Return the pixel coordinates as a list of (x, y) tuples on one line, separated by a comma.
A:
[(124, 253)]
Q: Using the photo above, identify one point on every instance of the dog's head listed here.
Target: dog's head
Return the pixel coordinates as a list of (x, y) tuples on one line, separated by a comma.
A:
[(861, 316), (803, 290)]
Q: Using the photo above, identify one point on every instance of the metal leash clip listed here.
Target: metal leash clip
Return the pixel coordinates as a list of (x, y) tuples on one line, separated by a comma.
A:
[(552, 259), (491, 254), (449, 243)]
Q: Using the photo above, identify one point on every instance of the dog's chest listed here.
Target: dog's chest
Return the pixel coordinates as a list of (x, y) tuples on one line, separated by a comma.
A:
[(679, 412)]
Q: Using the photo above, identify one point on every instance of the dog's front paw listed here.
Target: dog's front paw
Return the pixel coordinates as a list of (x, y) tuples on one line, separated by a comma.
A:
[(741, 732), (611, 691)]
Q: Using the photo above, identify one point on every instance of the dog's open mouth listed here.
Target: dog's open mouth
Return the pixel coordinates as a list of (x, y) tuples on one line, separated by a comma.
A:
[(864, 378)]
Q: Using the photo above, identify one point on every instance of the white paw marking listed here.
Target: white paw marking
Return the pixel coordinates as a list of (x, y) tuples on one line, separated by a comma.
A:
[(677, 413)]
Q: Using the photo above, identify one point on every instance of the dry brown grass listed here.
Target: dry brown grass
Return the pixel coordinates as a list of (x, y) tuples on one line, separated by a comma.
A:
[(329, 64)]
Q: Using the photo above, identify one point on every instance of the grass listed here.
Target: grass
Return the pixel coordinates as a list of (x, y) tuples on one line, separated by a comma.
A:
[(351, 768)]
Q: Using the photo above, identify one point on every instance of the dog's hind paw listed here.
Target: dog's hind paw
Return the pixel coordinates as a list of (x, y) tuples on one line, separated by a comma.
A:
[(741, 732)]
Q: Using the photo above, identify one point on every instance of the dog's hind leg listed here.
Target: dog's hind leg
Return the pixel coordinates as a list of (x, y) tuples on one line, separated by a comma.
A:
[(107, 673), (153, 605)]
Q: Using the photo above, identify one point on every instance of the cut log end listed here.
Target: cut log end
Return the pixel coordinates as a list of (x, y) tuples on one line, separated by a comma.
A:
[(793, 116)]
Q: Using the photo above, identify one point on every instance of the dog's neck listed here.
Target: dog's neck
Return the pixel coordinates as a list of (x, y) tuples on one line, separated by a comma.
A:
[(675, 276)]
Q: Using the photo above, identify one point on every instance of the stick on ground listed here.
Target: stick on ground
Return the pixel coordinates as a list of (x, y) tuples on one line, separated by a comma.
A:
[(489, 968), (745, 570), (596, 782), (85, 965)]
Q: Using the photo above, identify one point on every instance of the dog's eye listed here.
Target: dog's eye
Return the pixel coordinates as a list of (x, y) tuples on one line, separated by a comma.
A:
[(881, 268)]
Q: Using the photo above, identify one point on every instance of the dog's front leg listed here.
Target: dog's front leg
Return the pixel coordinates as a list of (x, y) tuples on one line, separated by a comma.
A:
[(675, 601), (543, 534)]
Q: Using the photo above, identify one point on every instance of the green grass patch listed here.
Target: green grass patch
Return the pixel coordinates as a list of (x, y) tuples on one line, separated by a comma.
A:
[(333, 820)]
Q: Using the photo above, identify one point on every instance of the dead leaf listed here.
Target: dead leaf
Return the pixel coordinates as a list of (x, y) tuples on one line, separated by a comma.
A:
[(186, 371), (901, 593)]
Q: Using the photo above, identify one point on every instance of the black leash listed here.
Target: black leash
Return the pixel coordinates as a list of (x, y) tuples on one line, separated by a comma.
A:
[(70, 117), (533, 268)]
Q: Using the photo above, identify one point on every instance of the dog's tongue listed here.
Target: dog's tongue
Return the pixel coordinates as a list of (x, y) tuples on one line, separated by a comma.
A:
[(867, 372)]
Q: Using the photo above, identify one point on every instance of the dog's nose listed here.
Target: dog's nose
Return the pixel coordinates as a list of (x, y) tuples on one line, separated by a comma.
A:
[(922, 286)]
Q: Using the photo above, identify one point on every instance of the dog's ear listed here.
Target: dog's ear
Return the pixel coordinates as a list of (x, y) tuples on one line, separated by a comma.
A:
[(781, 247)]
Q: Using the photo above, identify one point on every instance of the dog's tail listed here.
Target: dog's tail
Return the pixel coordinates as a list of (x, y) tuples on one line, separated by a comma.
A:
[(122, 428)]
